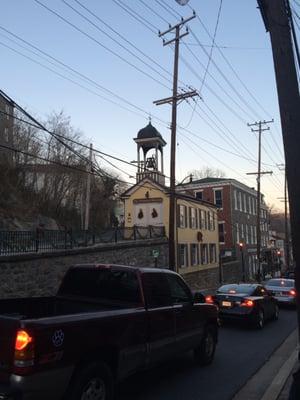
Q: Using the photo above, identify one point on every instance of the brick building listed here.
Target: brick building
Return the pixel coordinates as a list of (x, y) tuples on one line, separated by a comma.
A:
[(237, 216), (6, 129)]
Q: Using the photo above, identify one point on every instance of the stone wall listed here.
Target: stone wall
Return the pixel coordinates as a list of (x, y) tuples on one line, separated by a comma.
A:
[(41, 274), (210, 278)]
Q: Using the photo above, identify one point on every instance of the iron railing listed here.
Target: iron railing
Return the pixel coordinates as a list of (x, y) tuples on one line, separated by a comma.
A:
[(18, 242)]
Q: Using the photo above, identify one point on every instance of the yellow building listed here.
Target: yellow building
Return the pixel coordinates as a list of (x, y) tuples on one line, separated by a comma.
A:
[(147, 204)]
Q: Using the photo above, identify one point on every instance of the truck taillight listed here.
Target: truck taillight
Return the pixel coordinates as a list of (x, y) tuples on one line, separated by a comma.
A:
[(24, 349)]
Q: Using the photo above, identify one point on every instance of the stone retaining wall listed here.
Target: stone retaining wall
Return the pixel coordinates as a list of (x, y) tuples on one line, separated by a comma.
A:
[(40, 274)]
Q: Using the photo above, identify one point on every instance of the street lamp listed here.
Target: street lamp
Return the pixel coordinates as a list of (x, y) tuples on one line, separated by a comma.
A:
[(241, 247)]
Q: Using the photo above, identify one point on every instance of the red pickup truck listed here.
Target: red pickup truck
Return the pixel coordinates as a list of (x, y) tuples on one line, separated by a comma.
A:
[(106, 323)]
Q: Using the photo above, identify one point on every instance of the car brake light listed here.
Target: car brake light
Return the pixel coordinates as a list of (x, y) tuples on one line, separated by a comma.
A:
[(24, 349), (247, 303), (209, 300), (293, 292), (22, 340)]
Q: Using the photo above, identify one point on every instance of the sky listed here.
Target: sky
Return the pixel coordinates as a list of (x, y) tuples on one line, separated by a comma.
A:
[(112, 98)]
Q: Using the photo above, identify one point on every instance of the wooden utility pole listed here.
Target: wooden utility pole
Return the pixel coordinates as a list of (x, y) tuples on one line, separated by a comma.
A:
[(259, 173), (286, 227), (88, 191), (174, 100), (277, 20)]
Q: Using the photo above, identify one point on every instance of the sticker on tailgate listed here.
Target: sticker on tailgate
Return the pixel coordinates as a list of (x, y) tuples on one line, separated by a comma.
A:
[(58, 338)]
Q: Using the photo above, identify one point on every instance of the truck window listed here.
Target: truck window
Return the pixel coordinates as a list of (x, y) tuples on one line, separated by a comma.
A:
[(180, 293), (156, 290), (102, 284)]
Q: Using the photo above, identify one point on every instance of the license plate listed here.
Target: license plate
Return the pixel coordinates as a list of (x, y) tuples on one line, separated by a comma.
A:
[(226, 303)]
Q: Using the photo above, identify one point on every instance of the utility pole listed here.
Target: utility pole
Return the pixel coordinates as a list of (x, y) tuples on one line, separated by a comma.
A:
[(259, 173), (277, 20), (174, 100), (286, 225), (88, 190)]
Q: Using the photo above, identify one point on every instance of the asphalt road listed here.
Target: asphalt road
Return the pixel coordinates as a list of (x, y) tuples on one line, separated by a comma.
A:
[(240, 353)]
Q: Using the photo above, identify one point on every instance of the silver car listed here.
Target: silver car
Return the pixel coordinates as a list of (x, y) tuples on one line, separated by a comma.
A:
[(282, 289)]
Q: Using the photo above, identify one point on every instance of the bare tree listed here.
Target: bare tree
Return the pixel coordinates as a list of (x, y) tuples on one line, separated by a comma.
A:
[(207, 172)]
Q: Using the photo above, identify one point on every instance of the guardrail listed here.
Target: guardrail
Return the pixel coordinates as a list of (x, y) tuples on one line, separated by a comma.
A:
[(18, 242)]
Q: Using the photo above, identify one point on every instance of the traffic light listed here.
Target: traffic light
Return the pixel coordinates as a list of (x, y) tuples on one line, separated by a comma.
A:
[(241, 246), (278, 253)]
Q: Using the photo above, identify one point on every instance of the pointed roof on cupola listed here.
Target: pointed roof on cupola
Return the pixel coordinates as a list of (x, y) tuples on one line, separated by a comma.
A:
[(148, 132), (149, 136)]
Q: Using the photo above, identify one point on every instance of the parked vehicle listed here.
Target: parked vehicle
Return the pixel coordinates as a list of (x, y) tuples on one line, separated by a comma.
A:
[(106, 322), (283, 290), (250, 303)]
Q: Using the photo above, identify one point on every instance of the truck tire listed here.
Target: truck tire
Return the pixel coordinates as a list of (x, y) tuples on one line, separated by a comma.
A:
[(92, 382), (204, 354)]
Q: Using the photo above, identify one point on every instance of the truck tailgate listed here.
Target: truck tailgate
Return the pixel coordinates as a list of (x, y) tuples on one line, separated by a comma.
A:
[(8, 330)]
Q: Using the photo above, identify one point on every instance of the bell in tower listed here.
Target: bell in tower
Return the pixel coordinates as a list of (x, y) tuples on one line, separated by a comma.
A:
[(150, 143)]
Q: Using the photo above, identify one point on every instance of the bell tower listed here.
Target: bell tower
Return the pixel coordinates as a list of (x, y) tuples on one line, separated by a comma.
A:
[(150, 143)]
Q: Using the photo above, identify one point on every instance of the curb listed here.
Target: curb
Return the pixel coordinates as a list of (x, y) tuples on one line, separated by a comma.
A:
[(280, 379), (268, 382)]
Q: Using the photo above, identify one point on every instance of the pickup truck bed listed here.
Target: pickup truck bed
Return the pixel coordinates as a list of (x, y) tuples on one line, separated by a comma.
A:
[(44, 307)]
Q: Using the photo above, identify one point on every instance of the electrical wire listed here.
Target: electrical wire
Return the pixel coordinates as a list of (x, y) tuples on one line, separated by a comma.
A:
[(100, 44)]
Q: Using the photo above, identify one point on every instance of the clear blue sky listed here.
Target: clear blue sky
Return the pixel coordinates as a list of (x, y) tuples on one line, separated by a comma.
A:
[(244, 43)]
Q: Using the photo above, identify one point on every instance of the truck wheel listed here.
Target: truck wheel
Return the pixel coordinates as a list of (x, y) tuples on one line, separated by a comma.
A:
[(93, 382), (204, 354)]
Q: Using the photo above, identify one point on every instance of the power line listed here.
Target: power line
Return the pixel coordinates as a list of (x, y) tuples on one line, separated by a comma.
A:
[(110, 37), (123, 38), (213, 44), (100, 44), (136, 16), (154, 12)]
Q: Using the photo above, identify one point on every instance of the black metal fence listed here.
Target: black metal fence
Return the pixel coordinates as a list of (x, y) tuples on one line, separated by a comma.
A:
[(18, 242)]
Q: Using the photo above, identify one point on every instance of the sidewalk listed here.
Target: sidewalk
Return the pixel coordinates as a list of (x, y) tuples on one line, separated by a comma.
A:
[(274, 379)]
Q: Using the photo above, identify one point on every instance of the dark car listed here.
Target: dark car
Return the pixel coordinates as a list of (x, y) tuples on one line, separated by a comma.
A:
[(283, 290), (245, 302)]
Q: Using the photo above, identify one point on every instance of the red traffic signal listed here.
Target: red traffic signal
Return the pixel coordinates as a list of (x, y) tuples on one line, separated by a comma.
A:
[(241, 245)]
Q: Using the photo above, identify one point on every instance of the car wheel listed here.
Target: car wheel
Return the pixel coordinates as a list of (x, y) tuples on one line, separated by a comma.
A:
[(276, 313), (204, 354), (93, 382), (260, 319)]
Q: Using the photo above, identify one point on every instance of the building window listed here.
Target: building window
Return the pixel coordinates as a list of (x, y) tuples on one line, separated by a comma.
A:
[(245, 203), (182, 216), (7, 111), (222, 232), (205, 220), (242, 232), (247, 233), (235, 200), (237, 232), (199, 195), (255, 235), (193, 219), (254, 206), (219, 198), (210, 221), (251, 234), (6, 135), (204, 254), (202, 219), (212, 253), (183, 255), (249, 205), (194, 254)]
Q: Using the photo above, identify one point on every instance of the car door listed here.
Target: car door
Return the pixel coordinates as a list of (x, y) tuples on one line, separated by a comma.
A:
[(161, 317), (267, 301), (188, 317)]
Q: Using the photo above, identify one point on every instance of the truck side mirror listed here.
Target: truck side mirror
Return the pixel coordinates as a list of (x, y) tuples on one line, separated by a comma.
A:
[(199, 297)]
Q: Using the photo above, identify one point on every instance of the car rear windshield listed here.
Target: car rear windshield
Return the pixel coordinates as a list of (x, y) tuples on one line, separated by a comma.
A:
[(102, 284), (281, 283), (236, 289)]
